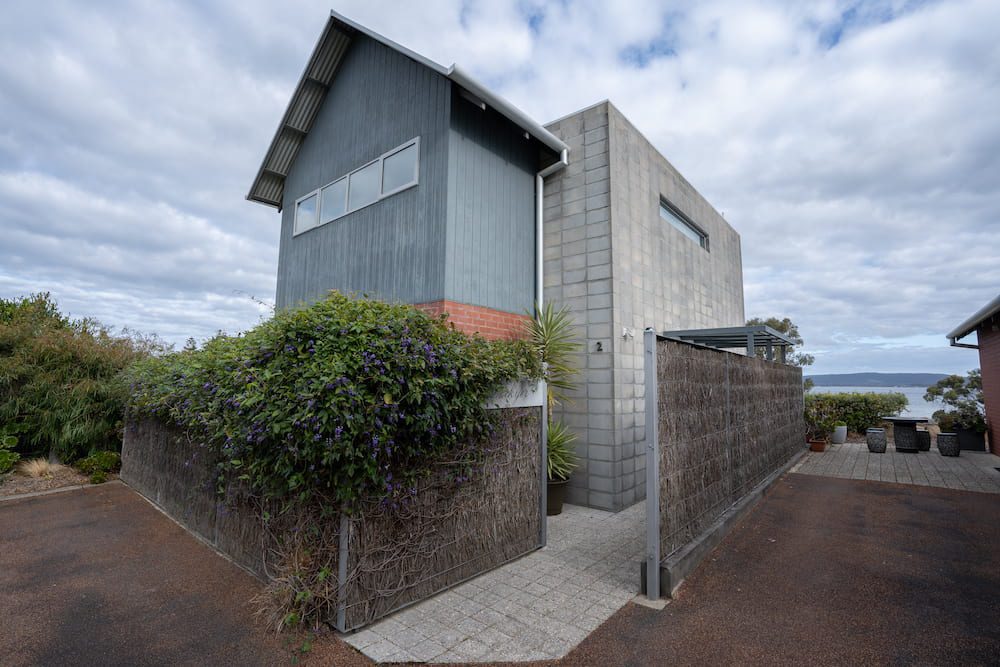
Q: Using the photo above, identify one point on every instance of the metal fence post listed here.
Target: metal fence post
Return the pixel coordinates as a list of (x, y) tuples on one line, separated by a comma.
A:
[(544, 470), (652, 469)]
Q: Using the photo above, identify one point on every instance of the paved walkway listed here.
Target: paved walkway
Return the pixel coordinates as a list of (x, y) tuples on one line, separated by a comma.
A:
[(972, 471), (537, 607)]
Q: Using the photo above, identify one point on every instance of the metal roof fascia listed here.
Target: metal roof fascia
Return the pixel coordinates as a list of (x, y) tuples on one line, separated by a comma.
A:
[(969, 325)]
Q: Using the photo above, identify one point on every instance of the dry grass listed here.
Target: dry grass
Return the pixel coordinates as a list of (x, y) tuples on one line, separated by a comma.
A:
[(37, 468)]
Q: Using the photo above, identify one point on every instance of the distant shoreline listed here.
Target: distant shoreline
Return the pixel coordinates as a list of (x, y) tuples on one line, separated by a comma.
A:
[(876, 380)]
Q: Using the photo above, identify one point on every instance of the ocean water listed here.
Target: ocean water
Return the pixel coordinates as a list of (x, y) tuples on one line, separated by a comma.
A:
[(917, 406)]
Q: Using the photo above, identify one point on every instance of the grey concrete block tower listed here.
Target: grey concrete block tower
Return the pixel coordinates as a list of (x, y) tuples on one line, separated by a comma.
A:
[(619, 266)]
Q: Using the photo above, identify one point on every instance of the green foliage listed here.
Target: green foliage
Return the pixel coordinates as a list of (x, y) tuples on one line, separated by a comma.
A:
[(789, 328), (98, 477), (342, 401), (552, 334), (99, 462), (860, 411), (562, 458), (8, 457), (964, 397), (60, 379)]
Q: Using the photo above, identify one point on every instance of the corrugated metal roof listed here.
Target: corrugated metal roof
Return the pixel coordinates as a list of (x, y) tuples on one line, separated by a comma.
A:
[(971, 324), (310, 92)]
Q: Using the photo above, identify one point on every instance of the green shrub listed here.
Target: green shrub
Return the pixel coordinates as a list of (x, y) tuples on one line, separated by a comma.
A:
[(346, 400), (61, 390), (8, 457), (963, 397), (860, 411), (98, 477), (99, 462)]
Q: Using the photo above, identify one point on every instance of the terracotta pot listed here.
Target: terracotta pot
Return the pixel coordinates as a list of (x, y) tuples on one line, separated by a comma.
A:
[(817, 445)]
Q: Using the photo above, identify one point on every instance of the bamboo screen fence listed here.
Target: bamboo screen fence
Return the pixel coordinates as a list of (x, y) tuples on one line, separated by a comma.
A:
[(386, 558), (725, 423)]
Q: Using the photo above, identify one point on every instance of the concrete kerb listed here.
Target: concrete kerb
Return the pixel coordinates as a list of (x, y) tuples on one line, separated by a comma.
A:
[(675, 568)]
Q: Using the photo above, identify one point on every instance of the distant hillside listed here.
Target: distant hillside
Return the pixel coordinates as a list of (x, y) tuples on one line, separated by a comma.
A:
[(876, 379)]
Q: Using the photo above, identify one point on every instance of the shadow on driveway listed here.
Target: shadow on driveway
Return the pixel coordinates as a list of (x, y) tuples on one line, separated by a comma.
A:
[(831, 571), (99, 577)]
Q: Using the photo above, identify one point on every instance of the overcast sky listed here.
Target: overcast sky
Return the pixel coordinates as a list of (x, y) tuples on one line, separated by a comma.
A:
[(854, 146)]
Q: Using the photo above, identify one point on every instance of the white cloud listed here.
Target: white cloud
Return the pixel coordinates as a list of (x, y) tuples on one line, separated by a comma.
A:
[(855, 147)]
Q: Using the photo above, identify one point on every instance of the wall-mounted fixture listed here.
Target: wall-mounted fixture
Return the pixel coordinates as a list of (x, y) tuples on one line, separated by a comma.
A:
[(628, 333)]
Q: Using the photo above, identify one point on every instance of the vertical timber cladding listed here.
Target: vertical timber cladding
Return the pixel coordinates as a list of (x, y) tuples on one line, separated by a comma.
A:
[(726, 422)]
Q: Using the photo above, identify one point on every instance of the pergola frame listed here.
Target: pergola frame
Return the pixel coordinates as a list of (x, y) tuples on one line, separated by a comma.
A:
[(728, 338)]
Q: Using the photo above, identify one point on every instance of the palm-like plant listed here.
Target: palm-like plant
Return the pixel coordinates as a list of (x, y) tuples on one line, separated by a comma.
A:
[(562, 457), (552, 335)]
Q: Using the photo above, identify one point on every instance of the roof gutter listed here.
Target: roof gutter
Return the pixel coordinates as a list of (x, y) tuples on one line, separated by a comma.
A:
[(968, 326), (506, 109), (540, 224)]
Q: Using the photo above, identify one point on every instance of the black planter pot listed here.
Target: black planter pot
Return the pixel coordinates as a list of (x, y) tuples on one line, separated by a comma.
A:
[(924, 441), (947, 444), (555, 496), (971, 440)]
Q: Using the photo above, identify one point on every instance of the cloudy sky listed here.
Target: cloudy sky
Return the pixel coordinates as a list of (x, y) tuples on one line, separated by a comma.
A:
[(854, 145)]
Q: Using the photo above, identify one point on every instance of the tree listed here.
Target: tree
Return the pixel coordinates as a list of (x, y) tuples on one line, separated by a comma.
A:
[(789, 328), (963, 398)]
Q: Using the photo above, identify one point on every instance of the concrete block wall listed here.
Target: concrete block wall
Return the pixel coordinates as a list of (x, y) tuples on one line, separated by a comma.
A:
[(616, 264), (661, 278), (578, 274)]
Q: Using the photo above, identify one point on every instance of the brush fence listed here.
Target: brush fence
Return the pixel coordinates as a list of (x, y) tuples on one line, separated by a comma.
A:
[(385, 558), (720, 423)]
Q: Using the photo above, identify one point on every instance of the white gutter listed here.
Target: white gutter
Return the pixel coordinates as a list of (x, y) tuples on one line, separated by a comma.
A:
[(540, 224)]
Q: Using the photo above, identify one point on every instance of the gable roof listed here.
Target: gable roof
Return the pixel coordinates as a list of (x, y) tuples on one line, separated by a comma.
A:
[(268, 187)]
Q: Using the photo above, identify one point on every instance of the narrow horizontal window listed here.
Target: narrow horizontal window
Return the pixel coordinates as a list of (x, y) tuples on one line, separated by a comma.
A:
[(390, 173), (399, 170), (364, 186), (333, 202), (305, 214), (680, 222)]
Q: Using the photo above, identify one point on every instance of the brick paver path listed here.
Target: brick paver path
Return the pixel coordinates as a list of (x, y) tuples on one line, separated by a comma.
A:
[(972, 471), (537, 607)]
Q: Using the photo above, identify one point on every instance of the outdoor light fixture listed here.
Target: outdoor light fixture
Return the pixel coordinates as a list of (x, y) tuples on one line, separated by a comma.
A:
[(628, 333)]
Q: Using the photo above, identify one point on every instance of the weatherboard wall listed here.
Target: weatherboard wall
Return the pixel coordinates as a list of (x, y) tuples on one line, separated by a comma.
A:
[(490, 255), (393, 249)]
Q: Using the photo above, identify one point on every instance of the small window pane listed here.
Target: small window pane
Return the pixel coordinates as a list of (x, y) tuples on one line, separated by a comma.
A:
[(399, 169), (305, 214), (683, 226), (364, 187), (334, 202)]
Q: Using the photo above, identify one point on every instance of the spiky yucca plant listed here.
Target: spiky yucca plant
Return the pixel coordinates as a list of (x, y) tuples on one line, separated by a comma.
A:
[(552, 335), (562, 457)]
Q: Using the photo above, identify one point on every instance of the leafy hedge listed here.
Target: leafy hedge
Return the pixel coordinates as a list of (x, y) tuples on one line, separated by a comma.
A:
[(61, 389), (346, 400), (860, 411)]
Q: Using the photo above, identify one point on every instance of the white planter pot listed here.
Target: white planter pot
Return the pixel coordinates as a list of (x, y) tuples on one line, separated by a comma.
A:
[(839, 435)]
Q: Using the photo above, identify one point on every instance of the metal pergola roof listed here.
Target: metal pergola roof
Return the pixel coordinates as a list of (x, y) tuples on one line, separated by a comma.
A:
[(726, 338)]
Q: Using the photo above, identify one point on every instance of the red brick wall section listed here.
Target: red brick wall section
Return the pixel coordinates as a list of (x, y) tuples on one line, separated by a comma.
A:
[(989, 362), (490, 324)]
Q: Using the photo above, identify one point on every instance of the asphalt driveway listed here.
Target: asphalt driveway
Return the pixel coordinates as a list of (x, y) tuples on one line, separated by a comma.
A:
[(831, 571), (823, 571), (97, 576)]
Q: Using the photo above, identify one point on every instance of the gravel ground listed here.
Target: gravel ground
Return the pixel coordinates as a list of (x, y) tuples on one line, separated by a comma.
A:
[(14, 484), (97, 576)]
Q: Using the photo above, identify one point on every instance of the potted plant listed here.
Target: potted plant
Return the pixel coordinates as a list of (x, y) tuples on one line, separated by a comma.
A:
[(964, 416), (819, 425), (561, 462), (552, 335), (839, 433)]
